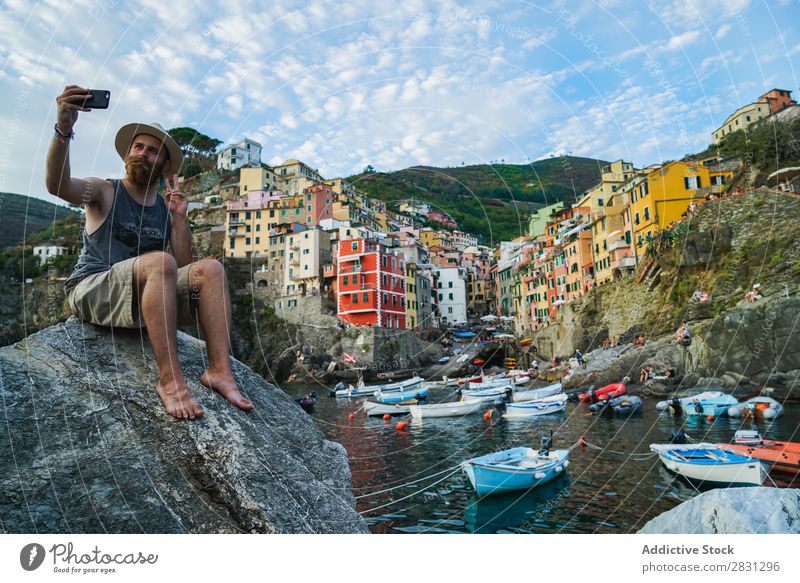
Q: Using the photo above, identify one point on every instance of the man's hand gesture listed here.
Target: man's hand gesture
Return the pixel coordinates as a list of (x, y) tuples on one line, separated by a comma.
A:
[(70, 102), (177, 203)]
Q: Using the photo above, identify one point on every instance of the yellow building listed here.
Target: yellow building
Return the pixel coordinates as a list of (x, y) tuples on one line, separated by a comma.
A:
[(664, 196), (742, 118), (256, 179), (412, 319), (612, 177)]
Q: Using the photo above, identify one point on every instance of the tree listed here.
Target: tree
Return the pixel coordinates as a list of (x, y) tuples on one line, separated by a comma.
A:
[(194, 143), (368, 170)]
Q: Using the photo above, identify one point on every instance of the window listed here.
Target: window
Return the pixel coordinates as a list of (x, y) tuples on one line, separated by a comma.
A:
[(385, 279), (258, 240), (258, 227), (386, 299), (354, 246), (345, 280), (645, 189), (691, 182), (247, 240), (365, 298), (449, 296), (355, 278), (636, 219), (354, 298), (394, 300), (647, 213), (449, 284)]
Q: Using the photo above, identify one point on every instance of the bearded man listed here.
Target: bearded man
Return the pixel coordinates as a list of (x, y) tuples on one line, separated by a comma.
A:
[(136, 266)]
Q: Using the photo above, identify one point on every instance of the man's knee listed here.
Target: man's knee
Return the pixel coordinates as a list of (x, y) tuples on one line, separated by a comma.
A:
[(155, 263), (206, 270)]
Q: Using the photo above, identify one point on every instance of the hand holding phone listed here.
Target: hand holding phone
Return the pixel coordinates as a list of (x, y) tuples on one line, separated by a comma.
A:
[(98, 99)]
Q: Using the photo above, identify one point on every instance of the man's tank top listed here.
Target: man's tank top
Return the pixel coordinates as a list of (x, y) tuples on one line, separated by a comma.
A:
[(129, 230)]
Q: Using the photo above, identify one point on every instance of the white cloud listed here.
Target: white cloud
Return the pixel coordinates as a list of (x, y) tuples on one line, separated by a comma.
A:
[(722, 31), (681, 41)]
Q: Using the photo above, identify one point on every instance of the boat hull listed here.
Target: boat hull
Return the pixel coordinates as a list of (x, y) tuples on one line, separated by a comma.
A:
[(380, 409), (497, 474), (534, 394), (456, 409), (783, 457), (399, 396), (548, 406), (356, 392), (711, 466)]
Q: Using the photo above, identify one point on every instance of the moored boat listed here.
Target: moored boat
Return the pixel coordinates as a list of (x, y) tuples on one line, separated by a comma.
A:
[(519, 468), (765, 407), (454, 409), (713, 407), (677, 403), (534, 394), (707, 464), (373, 409), (608, 392), (783, 457), (546, 406), (340, 390), (622, 406), (418, 393), (306, 402)]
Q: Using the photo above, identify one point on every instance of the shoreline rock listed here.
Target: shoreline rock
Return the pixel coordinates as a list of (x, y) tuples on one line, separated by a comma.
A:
[(732, 511), (92, 450)]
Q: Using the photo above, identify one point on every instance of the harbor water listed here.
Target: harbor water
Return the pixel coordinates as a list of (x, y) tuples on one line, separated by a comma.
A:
[(406, 481)]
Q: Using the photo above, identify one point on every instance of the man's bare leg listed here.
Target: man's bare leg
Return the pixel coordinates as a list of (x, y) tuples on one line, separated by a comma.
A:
[(208, 286), (155, 275)]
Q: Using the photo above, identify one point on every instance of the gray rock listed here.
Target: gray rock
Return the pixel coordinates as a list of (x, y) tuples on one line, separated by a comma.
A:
[(732, 511), (92, 450)]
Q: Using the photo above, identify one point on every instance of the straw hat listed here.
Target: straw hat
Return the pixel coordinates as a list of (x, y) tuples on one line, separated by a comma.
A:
[(127, 132)]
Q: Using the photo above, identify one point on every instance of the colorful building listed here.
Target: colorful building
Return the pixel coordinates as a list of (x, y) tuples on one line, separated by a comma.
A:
[(370, 289)]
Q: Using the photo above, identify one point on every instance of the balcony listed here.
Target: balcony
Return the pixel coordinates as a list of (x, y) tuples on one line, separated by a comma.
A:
[(627, 262), (235, 222), (235, 233), (620, 244)]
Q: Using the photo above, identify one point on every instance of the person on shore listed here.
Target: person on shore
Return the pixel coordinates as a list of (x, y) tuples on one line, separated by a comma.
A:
[(124, 276), (683, 336), (754, 294), (644, 374), (579, 358)]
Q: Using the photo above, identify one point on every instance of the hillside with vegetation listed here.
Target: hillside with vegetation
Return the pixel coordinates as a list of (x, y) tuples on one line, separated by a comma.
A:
[(493, 201), (25, 215)]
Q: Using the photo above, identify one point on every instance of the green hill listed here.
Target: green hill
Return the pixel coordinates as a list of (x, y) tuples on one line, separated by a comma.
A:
[(26, 215), (493, 201)]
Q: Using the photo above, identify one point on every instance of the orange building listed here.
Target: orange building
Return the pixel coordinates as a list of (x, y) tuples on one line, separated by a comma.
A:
[(370, 288), (777, 99)]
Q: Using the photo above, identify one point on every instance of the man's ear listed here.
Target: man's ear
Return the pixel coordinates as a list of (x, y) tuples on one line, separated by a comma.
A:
[(167, 166)]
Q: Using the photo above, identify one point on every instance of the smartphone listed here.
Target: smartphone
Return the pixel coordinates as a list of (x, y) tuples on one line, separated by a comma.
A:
[(99, 99)]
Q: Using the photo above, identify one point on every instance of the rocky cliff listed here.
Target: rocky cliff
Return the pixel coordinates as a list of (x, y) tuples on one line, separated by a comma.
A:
[(723, 249), (88, 447), (732, 511)]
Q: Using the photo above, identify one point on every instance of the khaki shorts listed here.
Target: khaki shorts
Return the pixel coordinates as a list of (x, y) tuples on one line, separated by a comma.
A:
[(107, 299)]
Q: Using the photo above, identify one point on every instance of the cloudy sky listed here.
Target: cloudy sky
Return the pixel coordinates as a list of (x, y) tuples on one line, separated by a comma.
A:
[(344, 84)]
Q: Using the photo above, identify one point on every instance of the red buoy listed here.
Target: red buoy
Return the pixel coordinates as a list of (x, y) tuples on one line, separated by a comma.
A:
[(710, 418), (387, 417), (487, 415), (401, 425), (351, 416)]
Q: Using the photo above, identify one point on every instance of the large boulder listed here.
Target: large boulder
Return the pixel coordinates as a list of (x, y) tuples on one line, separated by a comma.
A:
[(88, 447), (732, 511)]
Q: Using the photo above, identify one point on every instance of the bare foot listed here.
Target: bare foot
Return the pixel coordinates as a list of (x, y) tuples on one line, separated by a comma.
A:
[(225, 385), (177, 400)]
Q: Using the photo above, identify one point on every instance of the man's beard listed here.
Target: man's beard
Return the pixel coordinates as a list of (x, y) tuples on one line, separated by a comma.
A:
[(142, 173)]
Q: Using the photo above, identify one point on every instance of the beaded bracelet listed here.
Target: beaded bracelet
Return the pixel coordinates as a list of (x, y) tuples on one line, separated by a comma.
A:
[(62, 137)]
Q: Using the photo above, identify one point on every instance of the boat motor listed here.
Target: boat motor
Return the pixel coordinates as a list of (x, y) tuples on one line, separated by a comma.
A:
[(698, 408), (677, 436), (547, 444), (500, 404), (340, 386), (676, 407)]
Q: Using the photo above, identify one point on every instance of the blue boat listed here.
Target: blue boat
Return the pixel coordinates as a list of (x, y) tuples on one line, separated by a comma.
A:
[(464, 334), (419, 394), (519, 468), (707, 464), (713, 407)]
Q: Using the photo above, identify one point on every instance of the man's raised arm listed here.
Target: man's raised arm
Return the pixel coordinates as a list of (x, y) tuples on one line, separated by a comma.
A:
[(58, 179)]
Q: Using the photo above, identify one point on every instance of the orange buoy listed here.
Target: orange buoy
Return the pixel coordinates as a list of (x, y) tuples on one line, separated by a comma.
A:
[(710, 418), (351, 416), (487, 415), (401, 425), (387, 417)]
